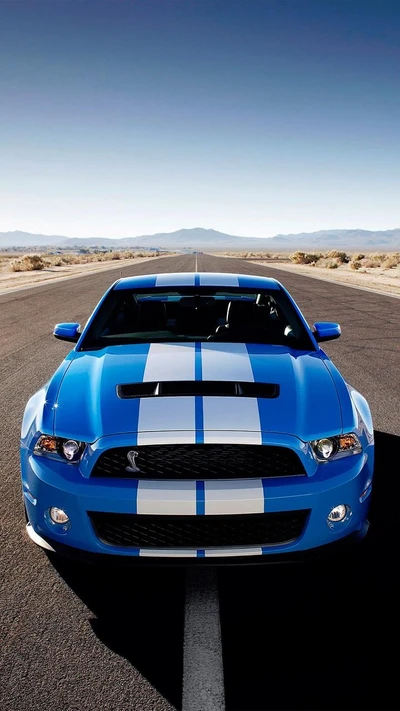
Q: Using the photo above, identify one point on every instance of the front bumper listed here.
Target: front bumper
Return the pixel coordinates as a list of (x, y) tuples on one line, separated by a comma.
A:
[(47, 482), (337, 548)]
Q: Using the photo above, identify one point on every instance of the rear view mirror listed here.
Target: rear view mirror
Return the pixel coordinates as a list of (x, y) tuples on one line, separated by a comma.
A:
[(67, 332), (326, 331)]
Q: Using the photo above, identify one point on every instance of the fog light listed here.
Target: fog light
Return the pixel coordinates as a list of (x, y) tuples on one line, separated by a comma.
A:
[(338, 513), (58, 515)]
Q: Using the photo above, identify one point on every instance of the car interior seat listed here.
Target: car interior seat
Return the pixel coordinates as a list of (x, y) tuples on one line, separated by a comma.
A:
[(196, 316), (241, 322)]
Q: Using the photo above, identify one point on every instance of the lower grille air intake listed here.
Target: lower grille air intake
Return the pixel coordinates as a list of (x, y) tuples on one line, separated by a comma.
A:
[(140, 531)]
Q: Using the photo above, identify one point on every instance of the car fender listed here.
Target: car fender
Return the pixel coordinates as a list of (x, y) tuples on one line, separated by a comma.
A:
[(40, 409)]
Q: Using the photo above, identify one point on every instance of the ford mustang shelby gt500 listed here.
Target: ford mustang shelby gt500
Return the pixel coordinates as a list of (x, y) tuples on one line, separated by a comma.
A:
[(196, 417)]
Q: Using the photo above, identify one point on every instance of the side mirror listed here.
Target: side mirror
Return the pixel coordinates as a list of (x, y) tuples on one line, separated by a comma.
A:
[(326, 331), (67, 332)]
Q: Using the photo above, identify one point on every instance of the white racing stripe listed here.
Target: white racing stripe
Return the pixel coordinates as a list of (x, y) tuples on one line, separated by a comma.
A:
[(179, 437), (231, 552), (245, 496), (232, 414), (226, 437), (166, 498), (170, 361), (176, 279), (165, 414), (178, 498), (226, 362), (192, 552), (218, 279), (167, 553)]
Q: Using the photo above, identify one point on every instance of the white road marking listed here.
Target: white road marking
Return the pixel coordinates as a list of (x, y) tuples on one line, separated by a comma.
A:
[(203, 676), (195, 267)]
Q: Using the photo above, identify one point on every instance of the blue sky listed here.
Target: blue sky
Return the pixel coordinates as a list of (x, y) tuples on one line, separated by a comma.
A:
[(254, 117)]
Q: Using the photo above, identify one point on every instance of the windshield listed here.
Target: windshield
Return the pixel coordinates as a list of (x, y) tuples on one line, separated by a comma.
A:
[(196, 314)]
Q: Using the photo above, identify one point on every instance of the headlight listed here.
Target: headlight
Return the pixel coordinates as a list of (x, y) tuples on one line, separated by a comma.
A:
[(328, 447), (69, 449)]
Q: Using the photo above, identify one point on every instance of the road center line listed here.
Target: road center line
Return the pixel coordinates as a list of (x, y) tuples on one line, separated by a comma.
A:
[(203, 676)]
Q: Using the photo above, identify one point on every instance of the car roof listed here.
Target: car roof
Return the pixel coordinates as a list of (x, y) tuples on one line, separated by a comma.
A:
[(205, 279)]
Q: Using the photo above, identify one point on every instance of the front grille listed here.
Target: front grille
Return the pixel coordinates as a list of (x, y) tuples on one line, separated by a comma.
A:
[(206, 461), (140, 531)]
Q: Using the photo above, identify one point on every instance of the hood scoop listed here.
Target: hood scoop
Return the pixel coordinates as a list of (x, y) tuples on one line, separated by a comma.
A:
[(198, 387)]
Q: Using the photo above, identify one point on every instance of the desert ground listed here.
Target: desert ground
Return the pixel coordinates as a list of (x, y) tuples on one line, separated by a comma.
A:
[(371, 270), (19, 270)]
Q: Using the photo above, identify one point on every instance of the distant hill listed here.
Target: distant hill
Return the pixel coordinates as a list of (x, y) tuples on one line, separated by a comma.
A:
[(345, 239), (211, 240), (28, 239)]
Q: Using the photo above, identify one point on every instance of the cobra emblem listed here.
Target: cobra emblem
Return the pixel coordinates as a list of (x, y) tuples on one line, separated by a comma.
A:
[(131, 456)]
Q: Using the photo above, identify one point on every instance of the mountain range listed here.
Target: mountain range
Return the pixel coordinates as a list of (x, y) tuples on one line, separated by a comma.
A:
[(211, 240)]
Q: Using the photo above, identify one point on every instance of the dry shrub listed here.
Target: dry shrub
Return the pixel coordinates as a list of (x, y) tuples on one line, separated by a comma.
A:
[(358, 257), (304, 257), (29, 263), (253, 255), (392, 260), (342, 257), (34, 262), (70, 259), (355, 264), (146, 254), (298, 258), (261, 255), (372, 263), (378, 256), (332, 264)]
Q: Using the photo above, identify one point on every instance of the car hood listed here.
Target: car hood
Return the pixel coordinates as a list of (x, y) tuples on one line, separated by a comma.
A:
[(88, 407)]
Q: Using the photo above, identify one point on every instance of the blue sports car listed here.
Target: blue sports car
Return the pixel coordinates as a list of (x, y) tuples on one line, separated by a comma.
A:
[(196, 417)]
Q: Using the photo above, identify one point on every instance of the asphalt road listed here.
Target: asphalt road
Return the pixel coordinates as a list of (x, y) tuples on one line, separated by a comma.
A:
[(292, 638)]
